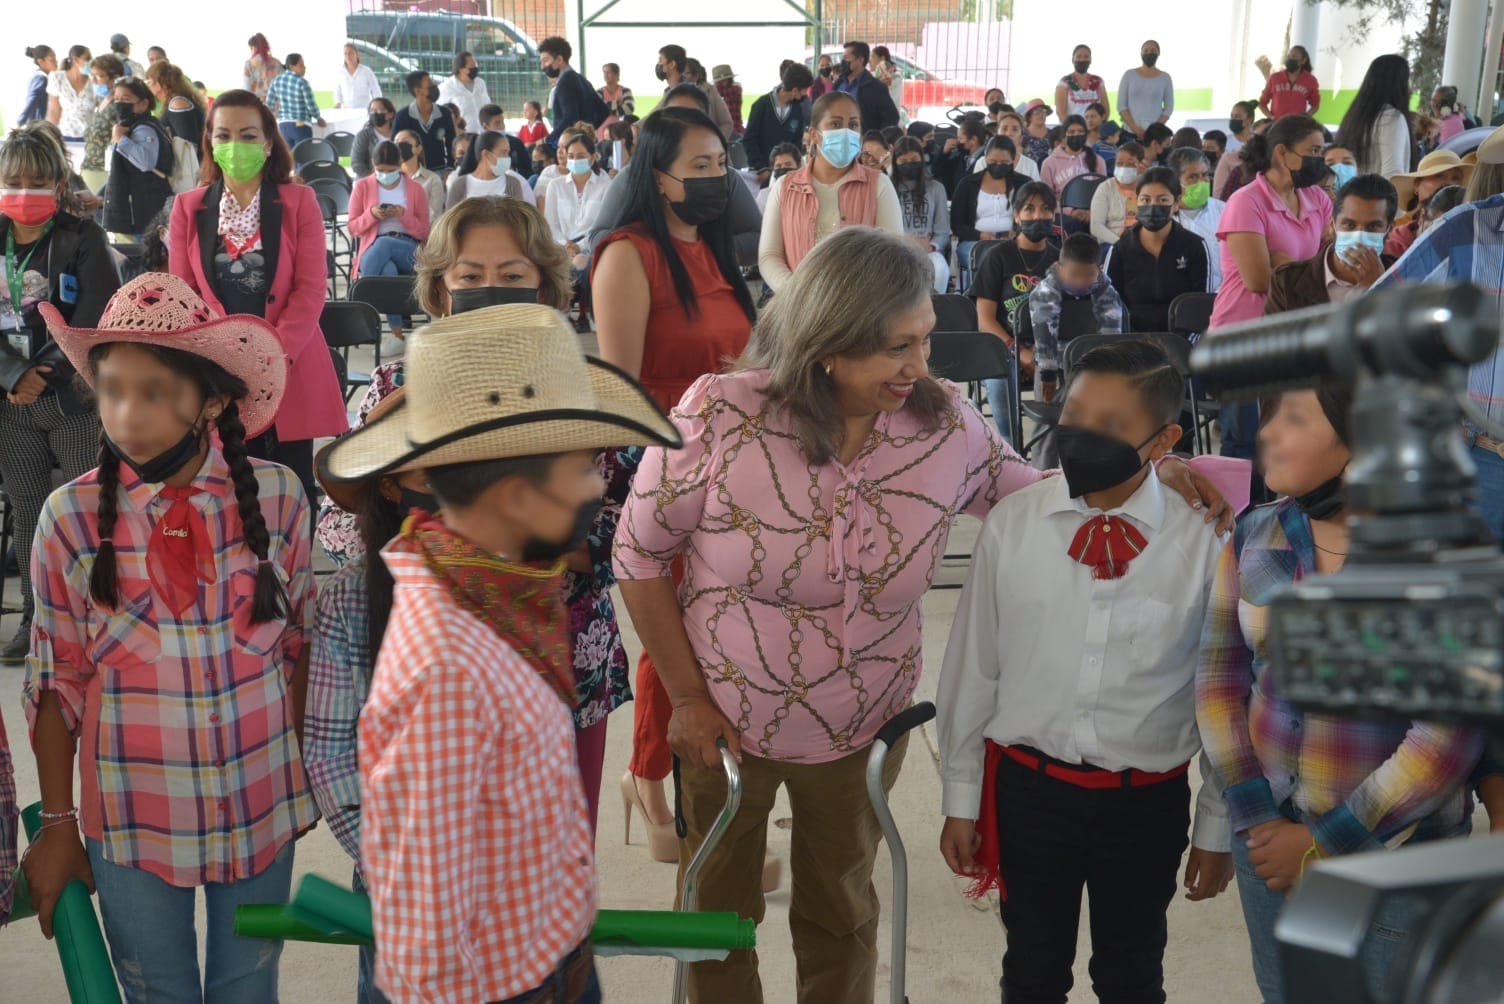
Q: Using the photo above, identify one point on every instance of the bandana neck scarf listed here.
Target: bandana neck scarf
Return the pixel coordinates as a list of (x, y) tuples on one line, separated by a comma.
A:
[(178, 555), (523, 604), (240, 228), (1107, 544)]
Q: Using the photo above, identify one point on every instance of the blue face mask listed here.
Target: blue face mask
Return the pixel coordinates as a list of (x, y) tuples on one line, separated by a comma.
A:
[(1344, 173), (840, 147), (102, 90), (1347, 239), (388, 178)]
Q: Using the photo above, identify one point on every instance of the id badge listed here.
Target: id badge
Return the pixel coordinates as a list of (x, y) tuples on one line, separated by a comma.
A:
[(68, 287), (20, 342)]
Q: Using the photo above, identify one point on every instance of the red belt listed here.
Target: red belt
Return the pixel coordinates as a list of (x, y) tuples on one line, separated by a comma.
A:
[(1090, 777)]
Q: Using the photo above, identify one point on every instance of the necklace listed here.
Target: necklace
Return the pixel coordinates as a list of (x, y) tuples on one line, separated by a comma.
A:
[(1328, 550), (1023, 256)]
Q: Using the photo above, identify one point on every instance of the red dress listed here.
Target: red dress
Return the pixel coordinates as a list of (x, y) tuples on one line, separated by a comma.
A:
[(678, 350)]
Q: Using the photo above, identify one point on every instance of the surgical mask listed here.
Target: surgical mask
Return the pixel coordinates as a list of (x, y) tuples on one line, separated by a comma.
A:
[(840, 146), (378, 119), (910, 172), (552, 72), (579, 165), (1236, 125), (165, 464), (540, 551), (1344, 173), (1324, 501), (999, 171), (705, 199), (1197, 194), (30, 207), (1082, 65), (1076, 143), (388, 178), (1125, 175), (1347, 240), (1154, 218), (102, 90), (240, 161), (1150, 58), (1093, 462), (1312, 169), (1036, 230), (479, 297), (410, 499)]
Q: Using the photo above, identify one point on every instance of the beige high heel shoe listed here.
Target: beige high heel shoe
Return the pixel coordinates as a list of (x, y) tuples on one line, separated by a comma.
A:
[(663, 842)]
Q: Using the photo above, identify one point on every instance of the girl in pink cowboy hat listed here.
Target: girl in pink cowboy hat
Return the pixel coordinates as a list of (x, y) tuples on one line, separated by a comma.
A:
[(173, 599)]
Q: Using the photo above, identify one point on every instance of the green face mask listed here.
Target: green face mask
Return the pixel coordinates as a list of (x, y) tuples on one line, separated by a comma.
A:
[(241, 161), (1197, 194)]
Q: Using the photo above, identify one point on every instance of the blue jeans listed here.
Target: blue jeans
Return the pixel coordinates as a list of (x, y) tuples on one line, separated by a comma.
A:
[(294, 134), (1386, 948), (366, 991), (149, 926), (963, 263), (389, 254), (1000, 400), (1240, 430), (1490, 489), (555, 983)]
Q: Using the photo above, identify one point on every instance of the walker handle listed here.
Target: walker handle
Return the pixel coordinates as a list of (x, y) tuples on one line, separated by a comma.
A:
[(906, 720)]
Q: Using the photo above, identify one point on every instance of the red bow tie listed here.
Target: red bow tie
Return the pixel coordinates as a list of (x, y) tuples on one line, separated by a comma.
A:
[(1107, 544), (179, 555)]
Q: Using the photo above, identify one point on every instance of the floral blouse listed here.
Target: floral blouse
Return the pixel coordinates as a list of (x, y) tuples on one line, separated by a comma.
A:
[(97, 137), (600, 661)]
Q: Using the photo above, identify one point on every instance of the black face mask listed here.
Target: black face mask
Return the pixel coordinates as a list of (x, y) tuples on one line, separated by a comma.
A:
[(165, 464), (779, 172), (433, 93), (825, 71), (539, 165), (1092, 462), (1236, 125), (551, 72), (1312, 169), (409, 500), (472, 73), (1325, 500), (1036, 230), (125, 112), (1292, 65), (539, 551), (1075, 144), (478, 297), (705, 200), (909, 172), (379, 119), (999, 171), (1082, 65), (1150, 58), (1154, 218), (660, 72), (406, 150)]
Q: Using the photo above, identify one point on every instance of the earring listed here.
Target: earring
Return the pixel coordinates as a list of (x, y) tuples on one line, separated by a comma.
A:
[(828, 368)]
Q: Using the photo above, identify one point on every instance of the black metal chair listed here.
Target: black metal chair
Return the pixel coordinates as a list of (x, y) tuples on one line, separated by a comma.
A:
[(337, 191), (1190, 316), (309, 150), (979, 254), (342, 141), (1077, 194), (1179, 350), (954, 312), (326, 170), (388, 294), (1077, 321), (347, 324)]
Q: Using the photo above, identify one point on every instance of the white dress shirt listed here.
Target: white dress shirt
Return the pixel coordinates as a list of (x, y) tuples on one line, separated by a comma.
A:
[(572, 212), (1338, 290), (469, 97), (1098, 672), (356, 90)]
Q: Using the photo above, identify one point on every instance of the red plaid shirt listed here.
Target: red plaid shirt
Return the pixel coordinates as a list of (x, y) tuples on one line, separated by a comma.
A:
[(475, 843), (188, 762)]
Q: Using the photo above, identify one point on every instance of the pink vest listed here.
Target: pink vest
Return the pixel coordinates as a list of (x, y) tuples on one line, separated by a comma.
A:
[(799, 207)]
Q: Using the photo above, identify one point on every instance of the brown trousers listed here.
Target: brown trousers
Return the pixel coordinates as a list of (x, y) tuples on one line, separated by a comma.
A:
[(833, 909)]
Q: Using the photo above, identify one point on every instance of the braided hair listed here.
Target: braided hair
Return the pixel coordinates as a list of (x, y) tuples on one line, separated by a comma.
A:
[(379, 520), (269, 601)]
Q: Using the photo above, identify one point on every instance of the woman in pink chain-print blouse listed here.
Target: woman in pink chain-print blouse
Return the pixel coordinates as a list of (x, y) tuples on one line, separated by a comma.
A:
[(811, 504)]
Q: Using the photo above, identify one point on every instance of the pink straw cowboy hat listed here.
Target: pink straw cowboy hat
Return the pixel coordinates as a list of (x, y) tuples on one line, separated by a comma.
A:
[(163, 310)]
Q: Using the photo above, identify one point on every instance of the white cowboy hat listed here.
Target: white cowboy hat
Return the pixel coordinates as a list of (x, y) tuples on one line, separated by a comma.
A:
[(505, 381), (1434, 163)]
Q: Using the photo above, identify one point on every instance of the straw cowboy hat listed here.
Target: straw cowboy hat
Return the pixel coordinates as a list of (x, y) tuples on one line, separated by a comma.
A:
[(162, 310), (721, 72), (348, 494), (505, 381), (1434, 163), (1491, 150)]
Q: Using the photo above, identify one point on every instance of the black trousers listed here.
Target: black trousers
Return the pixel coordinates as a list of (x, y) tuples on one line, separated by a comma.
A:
[(1122, 845)]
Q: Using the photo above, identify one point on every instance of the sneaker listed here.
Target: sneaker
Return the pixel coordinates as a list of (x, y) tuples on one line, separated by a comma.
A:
[(393, 346), (19, 645)]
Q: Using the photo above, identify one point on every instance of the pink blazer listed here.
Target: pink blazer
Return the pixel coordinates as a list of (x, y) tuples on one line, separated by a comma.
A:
[(366, 195), (292, 237)]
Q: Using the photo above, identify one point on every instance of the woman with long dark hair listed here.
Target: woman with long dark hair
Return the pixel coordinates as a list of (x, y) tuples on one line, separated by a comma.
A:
[(1376, 128), (1072, 158), (140, 164), (670, 306), (485, 170), (182, 108), (926, 217)]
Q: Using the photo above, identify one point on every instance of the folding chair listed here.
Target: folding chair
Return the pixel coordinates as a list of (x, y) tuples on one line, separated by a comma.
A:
[(309, 150), (954, 312), (970, 356), (326, 170), (1077, 194), (1077, 321), (1190, 316), (342, 141), (389, 294), (973, 262), (347, 324), (1179, 351)]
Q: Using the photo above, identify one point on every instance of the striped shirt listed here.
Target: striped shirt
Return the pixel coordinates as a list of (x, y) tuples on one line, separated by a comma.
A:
[(189, 765), (475, 842), (1359, 785), (1465, 245), (291, 98), (339, 678)]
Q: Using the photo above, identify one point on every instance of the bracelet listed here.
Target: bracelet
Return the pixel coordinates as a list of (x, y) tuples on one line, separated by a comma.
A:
[(65, 814), (1312, 851)]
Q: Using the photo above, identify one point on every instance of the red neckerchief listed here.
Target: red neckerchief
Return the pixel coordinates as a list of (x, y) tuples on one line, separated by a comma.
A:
[(523, 604), (179, 556), (1107, 544)]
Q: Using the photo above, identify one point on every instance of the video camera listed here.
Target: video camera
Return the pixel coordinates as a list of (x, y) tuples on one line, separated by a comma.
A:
[(1411, 627)]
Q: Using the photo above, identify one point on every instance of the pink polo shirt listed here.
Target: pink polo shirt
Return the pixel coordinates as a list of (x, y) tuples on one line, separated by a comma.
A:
[(1256, 208), (803, 585)]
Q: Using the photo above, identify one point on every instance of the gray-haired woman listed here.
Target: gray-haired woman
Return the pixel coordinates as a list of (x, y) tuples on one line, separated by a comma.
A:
[(58, 258), (796, 631)]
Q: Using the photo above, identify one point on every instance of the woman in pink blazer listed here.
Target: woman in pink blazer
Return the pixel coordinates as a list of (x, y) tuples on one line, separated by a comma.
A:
[(252, 242), (389, 218)]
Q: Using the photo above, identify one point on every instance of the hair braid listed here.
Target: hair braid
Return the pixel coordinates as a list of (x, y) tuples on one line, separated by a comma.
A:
[(270, 601), (104, 582)]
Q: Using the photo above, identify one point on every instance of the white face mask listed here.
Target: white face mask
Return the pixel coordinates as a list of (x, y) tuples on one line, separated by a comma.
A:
[(1126, 175)]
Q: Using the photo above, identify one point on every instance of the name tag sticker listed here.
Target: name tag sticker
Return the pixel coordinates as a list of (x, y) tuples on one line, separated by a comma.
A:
[(68, 286)]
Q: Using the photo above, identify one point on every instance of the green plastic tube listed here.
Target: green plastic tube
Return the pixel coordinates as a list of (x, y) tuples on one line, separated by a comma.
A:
[(279, 923), (75, 927), (664, 929), (318, 900)]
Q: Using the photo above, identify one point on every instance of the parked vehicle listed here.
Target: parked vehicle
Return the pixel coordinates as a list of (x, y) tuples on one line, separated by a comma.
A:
[(506, 55)]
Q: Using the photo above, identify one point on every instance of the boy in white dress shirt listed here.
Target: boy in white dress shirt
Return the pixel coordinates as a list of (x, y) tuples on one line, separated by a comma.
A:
[(1067, 715)]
